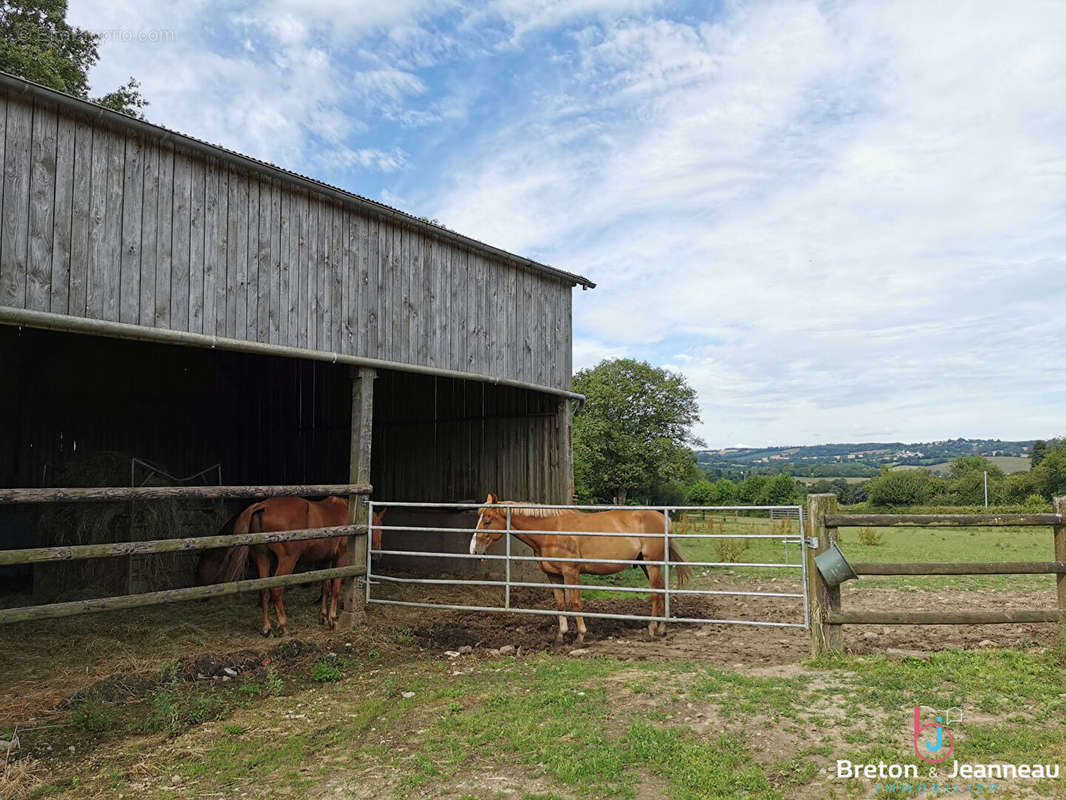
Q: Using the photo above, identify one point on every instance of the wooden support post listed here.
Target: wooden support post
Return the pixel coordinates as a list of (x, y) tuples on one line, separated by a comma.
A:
[(565, 432), (1060, 549), (822, 599), (362, 433)]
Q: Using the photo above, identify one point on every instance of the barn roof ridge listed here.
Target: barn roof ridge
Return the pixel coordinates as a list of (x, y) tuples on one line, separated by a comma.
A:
[(16, 84)]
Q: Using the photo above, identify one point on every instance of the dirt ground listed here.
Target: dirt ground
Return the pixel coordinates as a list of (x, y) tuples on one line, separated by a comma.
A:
[(44, 666), (47, 667), (734, 644)]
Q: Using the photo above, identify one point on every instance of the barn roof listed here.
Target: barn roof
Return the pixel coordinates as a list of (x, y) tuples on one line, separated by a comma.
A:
[(364, 204)]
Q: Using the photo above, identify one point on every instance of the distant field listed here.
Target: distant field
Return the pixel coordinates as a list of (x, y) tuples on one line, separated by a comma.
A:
[(1008, 464), (806, 481)]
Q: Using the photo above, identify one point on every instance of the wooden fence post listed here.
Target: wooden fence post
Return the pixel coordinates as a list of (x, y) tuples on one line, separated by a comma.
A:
[(1059, 506), (362, 433), (825, 638)]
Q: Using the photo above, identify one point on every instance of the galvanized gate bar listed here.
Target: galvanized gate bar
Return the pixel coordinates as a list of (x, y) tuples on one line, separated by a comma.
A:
[(781, 537), (586, 587), (667, 563), (590, 614)]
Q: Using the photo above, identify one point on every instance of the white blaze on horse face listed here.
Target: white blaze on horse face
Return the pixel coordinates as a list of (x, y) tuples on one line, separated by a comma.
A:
[(473, 539)]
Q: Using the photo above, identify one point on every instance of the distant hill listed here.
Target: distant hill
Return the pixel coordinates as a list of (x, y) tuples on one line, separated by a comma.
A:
[(863, 459)]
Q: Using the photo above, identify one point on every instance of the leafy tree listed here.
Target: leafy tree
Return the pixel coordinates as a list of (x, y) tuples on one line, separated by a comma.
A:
[(963, 465), (38, 44), (749, 490), (701, 493), (1038, 452), (780, 490), (902, 487), (725, 492), (1020, 486), (1054, 467), (634, 430)]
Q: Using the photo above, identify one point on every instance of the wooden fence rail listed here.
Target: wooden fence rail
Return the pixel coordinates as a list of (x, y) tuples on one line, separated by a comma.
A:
[(960, 568), (944, 617), (112, 549), (106, 494), (52, 610), (826, 617), (38, 555), (977, 520)]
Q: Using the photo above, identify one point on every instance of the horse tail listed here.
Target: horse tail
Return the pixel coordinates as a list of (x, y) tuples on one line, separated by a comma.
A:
[(237, 558), (681, 570), (640, 557)]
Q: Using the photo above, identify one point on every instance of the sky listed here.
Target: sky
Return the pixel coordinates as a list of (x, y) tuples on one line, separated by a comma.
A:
[(841, 221)]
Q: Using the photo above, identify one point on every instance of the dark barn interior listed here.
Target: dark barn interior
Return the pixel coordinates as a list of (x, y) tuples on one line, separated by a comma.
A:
[(261, 420), (173, 313)]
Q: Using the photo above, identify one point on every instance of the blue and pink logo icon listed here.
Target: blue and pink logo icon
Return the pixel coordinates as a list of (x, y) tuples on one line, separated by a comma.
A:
[(937, 750)]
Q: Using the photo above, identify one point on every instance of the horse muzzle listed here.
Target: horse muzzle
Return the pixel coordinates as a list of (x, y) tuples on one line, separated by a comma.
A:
[(476, 547)]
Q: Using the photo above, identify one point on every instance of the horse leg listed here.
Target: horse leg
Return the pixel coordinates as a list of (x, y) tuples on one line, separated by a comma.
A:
[(262, 564), (560, 605), (658, 602), (340, 560), (573, 577), (323, 613), (286, 564)]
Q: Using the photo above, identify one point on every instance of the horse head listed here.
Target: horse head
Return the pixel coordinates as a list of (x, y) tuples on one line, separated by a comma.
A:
[(490, 524), (375, 534)]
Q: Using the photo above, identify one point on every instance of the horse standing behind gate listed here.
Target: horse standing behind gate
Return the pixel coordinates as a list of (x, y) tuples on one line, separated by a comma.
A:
[(289, 514), (533, 526)]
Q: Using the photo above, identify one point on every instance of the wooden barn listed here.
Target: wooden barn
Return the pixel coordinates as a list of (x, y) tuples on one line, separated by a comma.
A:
[(167, 302)]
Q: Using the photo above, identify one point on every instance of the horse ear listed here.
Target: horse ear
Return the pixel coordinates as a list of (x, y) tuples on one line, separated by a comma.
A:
[(490, 500)]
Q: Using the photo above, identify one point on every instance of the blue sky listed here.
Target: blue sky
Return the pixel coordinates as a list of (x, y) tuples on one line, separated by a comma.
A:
[(842, 221)]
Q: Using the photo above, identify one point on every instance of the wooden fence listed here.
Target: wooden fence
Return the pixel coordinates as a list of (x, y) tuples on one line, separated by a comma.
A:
[(826, 615), (76, 552)]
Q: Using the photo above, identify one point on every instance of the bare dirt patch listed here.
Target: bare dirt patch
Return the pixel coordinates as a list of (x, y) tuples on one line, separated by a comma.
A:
[(735, 644)]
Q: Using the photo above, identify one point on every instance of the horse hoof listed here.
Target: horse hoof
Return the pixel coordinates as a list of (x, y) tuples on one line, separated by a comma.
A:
[(266, 632), (281, 632)]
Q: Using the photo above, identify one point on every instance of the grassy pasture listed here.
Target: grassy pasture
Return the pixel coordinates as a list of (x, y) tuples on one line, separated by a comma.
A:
[(395, 724), (1008, 464), (932, 543)]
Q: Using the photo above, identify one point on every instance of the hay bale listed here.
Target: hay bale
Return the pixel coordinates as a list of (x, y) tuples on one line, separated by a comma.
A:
[(61, 524)]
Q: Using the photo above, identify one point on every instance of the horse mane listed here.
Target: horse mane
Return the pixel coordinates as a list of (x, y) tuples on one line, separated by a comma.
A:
[(536, 511)]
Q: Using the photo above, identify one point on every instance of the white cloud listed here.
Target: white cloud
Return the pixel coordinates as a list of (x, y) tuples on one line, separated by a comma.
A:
[(840, 221), (852, 216)]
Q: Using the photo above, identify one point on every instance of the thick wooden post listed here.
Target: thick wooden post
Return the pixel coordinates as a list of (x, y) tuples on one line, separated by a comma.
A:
[(821, 599), (1060, 549), (362, 434)]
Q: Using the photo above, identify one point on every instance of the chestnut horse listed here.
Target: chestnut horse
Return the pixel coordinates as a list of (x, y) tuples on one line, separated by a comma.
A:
[(534, 525), (211, 566), (288, 514)]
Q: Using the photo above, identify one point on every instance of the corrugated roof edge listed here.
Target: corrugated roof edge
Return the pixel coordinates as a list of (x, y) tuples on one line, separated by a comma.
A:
[(364, 204)]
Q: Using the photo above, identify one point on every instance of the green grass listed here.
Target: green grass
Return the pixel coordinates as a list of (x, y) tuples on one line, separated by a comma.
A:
[(595, 728), (91, 714)]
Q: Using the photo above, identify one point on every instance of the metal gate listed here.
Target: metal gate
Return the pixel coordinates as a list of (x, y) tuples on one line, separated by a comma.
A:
[(770, 531)]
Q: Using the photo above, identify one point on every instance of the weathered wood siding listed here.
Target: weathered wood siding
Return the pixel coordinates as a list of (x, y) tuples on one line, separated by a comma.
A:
[(102, 222), (441, 437)]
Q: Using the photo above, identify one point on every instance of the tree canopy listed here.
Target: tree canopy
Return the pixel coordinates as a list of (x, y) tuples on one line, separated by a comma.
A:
[(38, 44), (633, 434)]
